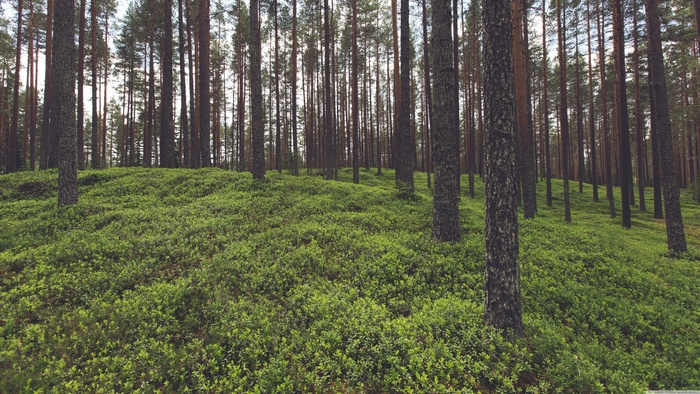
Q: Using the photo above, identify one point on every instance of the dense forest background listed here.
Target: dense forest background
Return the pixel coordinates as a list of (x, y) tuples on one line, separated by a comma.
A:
[(146, 87)]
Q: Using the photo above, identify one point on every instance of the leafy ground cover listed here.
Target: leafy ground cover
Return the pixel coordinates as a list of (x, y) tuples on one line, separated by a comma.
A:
[(203, 280)]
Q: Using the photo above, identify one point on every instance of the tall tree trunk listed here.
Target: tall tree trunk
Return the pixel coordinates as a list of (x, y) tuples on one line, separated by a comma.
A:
[(295, 164), (195, 161), (278, 136), (64, 122), (502, 308), (257, 121), (591, 107), (12, 147), (184, 129), (428, 91), (579, 115), (204, 82), (621, 110), (81, 83), (404, 164), (355, 109), (397, 85), (604, 109), (545, 108), (168, 152), (563, 111), (95, 138), (526, 162), (46, 146), (329, 132), (149, 124), (29, 94), (445, 133), (674, 220), (104, 96), (639, 119)]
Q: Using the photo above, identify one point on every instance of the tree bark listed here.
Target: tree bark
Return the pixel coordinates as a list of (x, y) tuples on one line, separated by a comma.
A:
[(355, 109), (545, 108), (604, 109), (526, 162), (639, 119), (168, 153), (563, 111), (502, 308), (329, 132), (204, 84), (94, 143), (64, 121), (621, 110), (445, 132), (674, 221), (184, 129), (257, 121), (46, 146), (591, 107), (404, 163), (81, 83), (12, 147)]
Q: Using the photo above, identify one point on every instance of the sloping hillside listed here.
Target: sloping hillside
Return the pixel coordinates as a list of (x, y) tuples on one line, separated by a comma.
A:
[(203, 280)]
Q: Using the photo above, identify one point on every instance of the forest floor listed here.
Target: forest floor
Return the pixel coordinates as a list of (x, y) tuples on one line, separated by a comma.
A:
[(204, 280)]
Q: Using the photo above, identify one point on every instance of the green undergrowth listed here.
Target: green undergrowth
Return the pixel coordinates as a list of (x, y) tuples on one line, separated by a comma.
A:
[(207, 281)]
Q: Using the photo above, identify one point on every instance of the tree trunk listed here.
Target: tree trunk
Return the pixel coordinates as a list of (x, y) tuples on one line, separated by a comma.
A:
[(12, 147), (329, 132), (204, 82), (64, 122), (445, 132), (295, 163), (94, 143), (604, 109), (81, 83), (257, 121), (545, 108), (525, 164), (502, 308), (168, 152), (621, 110), (563, 111), (428, 92), (404, 163), (355, 109), (591, 108), (674, 220), (184, 129), (46, 146), (639, 119)]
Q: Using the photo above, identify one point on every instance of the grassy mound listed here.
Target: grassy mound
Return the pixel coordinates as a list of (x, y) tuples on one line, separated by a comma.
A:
[(204, 280)]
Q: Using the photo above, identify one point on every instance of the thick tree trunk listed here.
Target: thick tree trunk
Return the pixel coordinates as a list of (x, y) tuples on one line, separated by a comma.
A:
[(95, 137), (526, 162), (64, 122), (621, 110), (329, 132), (639, 119), (674, 220), (204, 82), (278, 135), (355, 109), (168, 152), (184, 129), (502, 308), (445, 132), (404, 163), (563, 111), (591, 107), (545, 108), (12, 147), (257, 121), (81, 83), (46, 146), (604, 109)]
